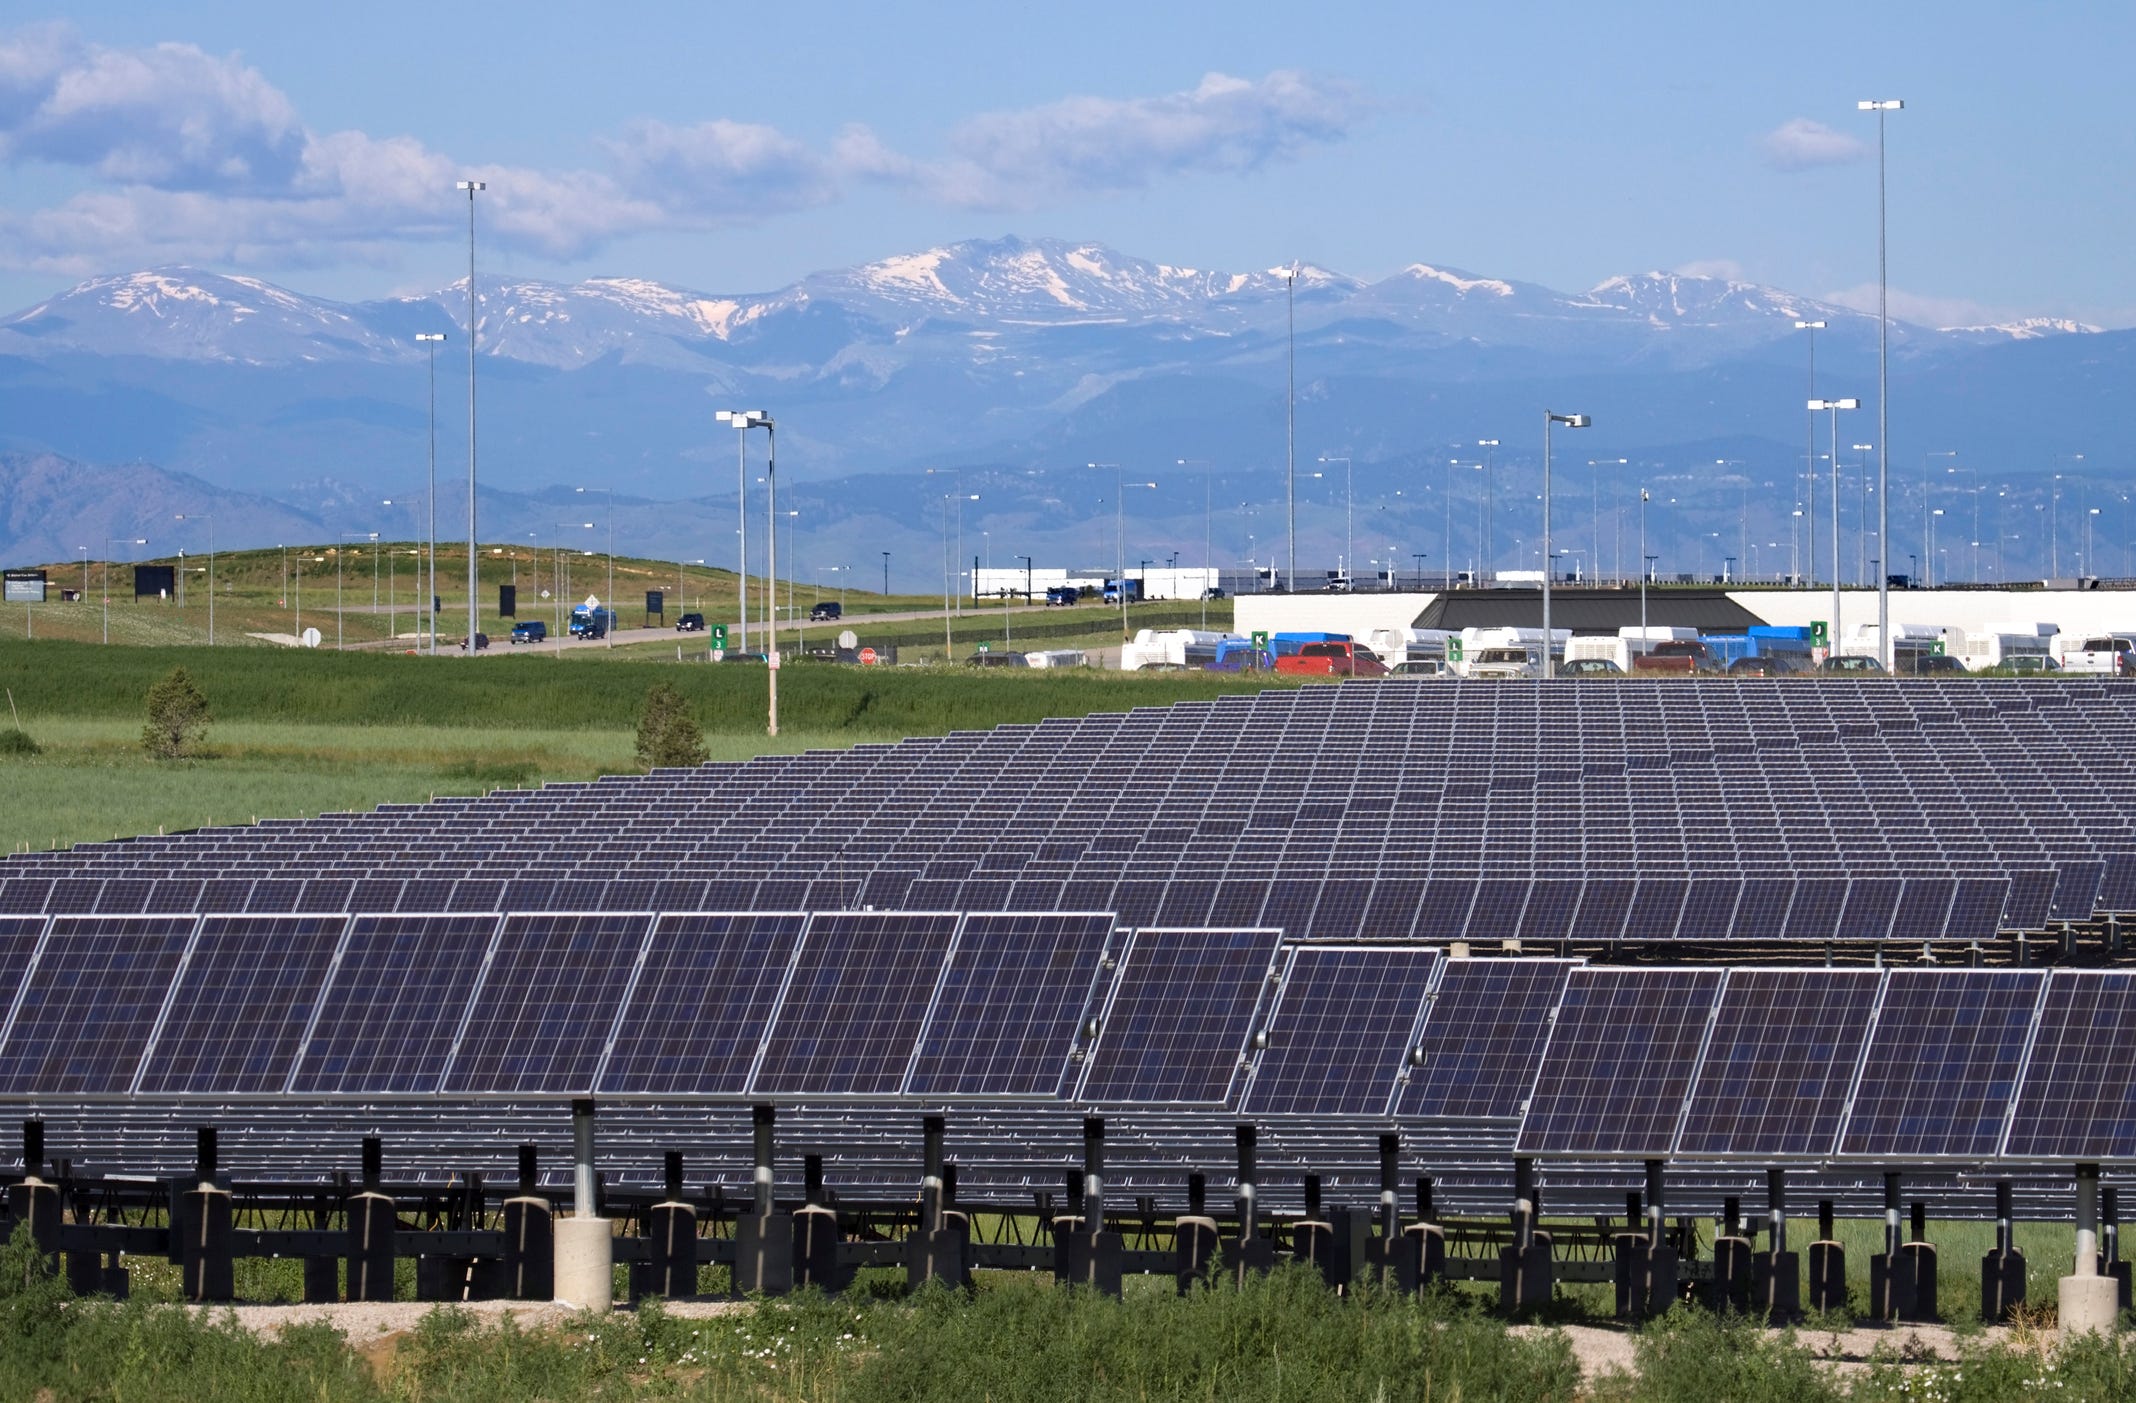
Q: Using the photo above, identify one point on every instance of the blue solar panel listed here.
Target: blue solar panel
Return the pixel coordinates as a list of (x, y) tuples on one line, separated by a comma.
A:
[(697, 1015), (393, 1004), (1012, 996), (1785, 1047), (1343, 1024), (1619, 1062), (1942, 1063), (541, 1020), (851, 1014), (18, 941), (90, 1004), (1180, 1012), (1483, 1036), (240, 1009), (2078, 1098)]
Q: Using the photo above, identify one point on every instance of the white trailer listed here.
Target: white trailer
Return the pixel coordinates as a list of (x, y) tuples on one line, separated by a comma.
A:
[(1396, 646), (2001, 644), (1507, 652), (1057, 657)]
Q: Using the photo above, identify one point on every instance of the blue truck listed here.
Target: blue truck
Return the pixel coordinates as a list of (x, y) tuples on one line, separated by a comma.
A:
[(592, 621)]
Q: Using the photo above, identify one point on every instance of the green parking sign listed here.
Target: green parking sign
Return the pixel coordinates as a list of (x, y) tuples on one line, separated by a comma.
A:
[(1260, 639), (985, 646), (1818, 633), (1453, 650), (719, 636)]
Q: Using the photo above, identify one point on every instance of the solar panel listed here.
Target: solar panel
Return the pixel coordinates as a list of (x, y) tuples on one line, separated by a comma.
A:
[(1343, 1024), (1942, 1063), (851, 1013), (1619, 1062), (393, 1004), (18, 942), (2078, 1098), (89, 1005), (1483, 1035), (1782, 1058), (540, 1020), (239, 1011), (1180, 1012), (697, 1014), (1012, 996)]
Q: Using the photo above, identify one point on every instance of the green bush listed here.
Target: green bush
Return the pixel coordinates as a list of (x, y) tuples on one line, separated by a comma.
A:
[(18, 742), (668, 736), (177, 717)]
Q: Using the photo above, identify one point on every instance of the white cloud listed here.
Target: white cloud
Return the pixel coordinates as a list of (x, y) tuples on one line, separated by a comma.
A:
[(194, 157), (1726, 269), (1096, 145), (1919, 308), (1801, 144)]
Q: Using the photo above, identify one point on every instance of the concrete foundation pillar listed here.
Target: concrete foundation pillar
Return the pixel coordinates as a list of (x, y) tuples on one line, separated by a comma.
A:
[(585, 1263), (2086, 1301)]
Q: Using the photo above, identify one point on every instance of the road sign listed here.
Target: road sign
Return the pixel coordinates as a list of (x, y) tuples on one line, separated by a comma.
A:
[(1453, 650), (1260, 639), (867, 657), (310, 638), (985, 646), (1820, 634), (719, 638)]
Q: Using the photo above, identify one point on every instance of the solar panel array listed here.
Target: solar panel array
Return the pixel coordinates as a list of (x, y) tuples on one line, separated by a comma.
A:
[(1643, 811), (1539, 1056)]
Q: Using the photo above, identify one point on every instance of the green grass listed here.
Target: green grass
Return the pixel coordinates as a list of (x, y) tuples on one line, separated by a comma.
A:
[(297, 733)]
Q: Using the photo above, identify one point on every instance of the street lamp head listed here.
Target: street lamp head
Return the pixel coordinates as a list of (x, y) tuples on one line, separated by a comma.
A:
[(1886, 105), (471, 185), (430, 336), (1809, 326), (1486, 443), (1571, 421)]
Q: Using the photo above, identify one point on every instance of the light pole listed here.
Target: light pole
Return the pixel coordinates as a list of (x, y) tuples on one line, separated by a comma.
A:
[(1290, 419), (1490, 506), (1809, 458), (740, 419), (793, 568), (886, 574), (339, 555), (1594, 513), (608, 511), (2090, 567), (1646, 568), (746, 419), (85, 571), (1833, 406), (556, 532), (210, 519), (1931, 558), (474, 331), (1744, 545), (1883, 383), (1928, 497), (2054, 516), (1349, 515), (110, 541), (957, 475), (393, 586), (1861, 515), (431, 339), (1570, 421)]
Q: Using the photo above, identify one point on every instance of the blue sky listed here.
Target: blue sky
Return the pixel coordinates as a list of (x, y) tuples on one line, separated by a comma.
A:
[(737, 148)]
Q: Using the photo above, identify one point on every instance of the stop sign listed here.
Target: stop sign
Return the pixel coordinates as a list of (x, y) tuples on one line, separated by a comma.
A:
[(867, 657)]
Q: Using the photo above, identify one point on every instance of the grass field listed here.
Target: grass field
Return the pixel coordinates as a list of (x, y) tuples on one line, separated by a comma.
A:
[(300, 732)]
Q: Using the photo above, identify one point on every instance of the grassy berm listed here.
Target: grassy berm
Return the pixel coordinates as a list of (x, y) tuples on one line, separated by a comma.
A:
[(296, 733)]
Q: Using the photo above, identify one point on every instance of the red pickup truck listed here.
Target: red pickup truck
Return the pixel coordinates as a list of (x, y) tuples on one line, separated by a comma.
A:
[(1686, 657), (1332, 660)]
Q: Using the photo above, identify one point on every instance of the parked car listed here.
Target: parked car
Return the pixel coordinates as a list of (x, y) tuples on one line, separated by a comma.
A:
[(2024, 663), (481, 642), (1063, 595), (1589, 667), (690, 623), (529, 631), (1763, 665), (826, 610), (1852, 665), (1930, 664)]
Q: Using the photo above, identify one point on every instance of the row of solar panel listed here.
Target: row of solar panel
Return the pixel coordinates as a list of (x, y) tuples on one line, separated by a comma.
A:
[(1914, 1064), (1643, 909)]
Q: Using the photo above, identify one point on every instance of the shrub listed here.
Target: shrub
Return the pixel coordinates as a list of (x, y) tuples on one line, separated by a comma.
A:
[(177, 717), (18, 742), (668, 736)]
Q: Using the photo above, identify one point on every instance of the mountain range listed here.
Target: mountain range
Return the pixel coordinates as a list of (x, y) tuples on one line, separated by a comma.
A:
[(1013, 362)]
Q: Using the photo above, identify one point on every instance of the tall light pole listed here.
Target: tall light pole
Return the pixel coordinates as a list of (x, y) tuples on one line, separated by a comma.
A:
[(886, 574), (1594, 511), (1645, 569), (1833, 406), (608, 633), (474, 331), (1208, 532), (85, 571), (1490, 504), (339, 555), (744, 420), (210, 519), (1880, 106), (1349, 516), (1290, 418), (793, 568), (957, 476), (430, 603), (1928, 497), (1809, 458), (109, 542), (392, 587), (1570, 421), (1861, 532)]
